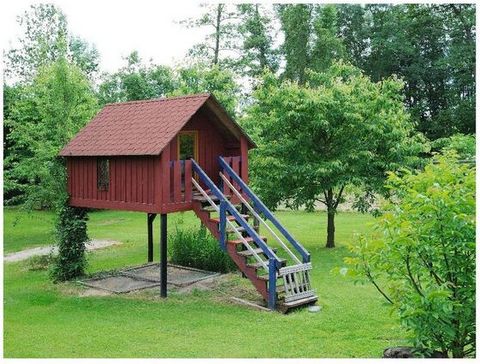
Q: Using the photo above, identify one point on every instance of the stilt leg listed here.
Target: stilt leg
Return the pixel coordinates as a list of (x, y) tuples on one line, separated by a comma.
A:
[(150, 218), (163, 255)]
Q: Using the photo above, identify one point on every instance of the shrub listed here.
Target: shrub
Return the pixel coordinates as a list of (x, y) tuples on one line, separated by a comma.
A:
[(198, 249), (422, 256), (71, 231)]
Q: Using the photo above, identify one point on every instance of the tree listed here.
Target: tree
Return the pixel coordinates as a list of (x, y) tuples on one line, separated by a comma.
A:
[(221, 19), (432, 49), (136, 81), (423, 251), (327, 46), (43, 118), (200, 78), (338, 129), (46, 39), (296, 24), (257, 50)]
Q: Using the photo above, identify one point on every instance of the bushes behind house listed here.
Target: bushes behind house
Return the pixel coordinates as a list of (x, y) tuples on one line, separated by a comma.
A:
[(198, 249)]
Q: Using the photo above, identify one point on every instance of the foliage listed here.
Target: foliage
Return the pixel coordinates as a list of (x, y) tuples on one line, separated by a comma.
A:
[(45, 40), (199, 79), (339, 129), (257, 50), (136, 81), (424, 253), (220, 18), (71, 232), (463, 145), (432, 47), (198, 249), (42, 119), (296, 22)]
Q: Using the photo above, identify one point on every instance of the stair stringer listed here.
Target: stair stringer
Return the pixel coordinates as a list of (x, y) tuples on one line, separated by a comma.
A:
[(260, 285)]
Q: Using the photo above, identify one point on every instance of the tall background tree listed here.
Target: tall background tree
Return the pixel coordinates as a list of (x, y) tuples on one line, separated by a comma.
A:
[(46, 38), (220, 20)]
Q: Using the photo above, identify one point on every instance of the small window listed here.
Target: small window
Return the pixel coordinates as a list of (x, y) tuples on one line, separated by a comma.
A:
[(103, 174)]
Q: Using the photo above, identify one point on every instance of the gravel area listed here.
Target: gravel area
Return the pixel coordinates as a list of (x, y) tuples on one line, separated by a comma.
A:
[(45, 250)]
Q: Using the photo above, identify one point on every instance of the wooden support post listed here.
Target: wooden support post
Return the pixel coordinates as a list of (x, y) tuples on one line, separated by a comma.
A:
[(150, 219), (163, 255)]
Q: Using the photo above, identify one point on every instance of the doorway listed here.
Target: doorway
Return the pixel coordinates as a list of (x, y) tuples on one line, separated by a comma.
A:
[(187, 145), (187, 148)]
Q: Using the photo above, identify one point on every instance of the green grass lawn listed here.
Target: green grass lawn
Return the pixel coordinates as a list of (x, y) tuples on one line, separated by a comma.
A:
[(46, 320)]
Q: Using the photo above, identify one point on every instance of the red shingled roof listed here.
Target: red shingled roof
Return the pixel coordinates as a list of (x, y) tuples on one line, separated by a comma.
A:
[(136, 127)]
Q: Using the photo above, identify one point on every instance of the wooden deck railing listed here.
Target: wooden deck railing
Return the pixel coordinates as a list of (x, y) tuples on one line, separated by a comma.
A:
[(177, 186)]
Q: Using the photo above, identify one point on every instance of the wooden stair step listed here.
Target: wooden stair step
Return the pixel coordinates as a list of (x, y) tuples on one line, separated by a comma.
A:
[(300, 302), (258, 265), (240, 229), (230, 218), (210, 208), (248, 239), (201, 198), (248, 253)]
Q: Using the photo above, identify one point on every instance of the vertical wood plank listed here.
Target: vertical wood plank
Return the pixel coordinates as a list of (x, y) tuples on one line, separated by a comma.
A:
[(112, 186), (177, 181), (166, 175), (244, 155), (144, 180), (158, 183), (128, 179), (188, 181)]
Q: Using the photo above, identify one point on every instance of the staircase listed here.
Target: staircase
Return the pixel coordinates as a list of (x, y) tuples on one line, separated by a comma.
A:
[(281, 274)]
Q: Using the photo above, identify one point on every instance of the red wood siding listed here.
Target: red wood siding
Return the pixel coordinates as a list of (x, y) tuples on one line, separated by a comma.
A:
[(134, 183), (211, 144), (154, 183)]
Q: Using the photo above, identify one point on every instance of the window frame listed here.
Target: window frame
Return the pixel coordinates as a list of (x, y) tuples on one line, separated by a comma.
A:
[(103, 174)]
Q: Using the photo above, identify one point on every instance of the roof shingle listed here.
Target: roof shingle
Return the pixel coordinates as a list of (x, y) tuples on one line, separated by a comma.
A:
[(134, 127)]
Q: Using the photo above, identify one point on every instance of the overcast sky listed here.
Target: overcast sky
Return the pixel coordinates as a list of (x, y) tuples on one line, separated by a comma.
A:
[(118, 27)]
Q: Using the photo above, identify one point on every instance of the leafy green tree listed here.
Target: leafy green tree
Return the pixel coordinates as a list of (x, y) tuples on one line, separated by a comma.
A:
[(42, 119), (422, 255), (296, 23), (432, 47), (327, 46), (45, 39), (257, 50), (338, 129), (201, 78), (136, 81), (463, 145)]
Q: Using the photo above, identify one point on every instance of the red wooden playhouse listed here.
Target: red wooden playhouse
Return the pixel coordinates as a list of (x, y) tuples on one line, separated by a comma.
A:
[(186, 153)]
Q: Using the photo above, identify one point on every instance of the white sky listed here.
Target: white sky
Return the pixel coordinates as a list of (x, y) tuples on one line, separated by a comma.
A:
[(118, 27)]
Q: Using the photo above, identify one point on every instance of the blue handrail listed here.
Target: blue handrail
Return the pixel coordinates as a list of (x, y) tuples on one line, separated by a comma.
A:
[(226, 205), (260, 207)]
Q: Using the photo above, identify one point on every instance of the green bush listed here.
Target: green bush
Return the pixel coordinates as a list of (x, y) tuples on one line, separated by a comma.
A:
[(422, 257), (198, 249), (71, 231)]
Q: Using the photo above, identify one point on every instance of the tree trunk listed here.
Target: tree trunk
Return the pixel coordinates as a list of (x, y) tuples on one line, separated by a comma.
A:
[(217, 33), (331, 229), (331, 208)]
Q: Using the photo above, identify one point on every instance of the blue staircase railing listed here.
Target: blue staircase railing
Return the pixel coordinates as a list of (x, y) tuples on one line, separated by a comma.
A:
[(226, 206), (260, 207)]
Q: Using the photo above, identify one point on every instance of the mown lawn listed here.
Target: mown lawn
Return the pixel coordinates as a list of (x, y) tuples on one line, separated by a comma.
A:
[(46, 320)]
